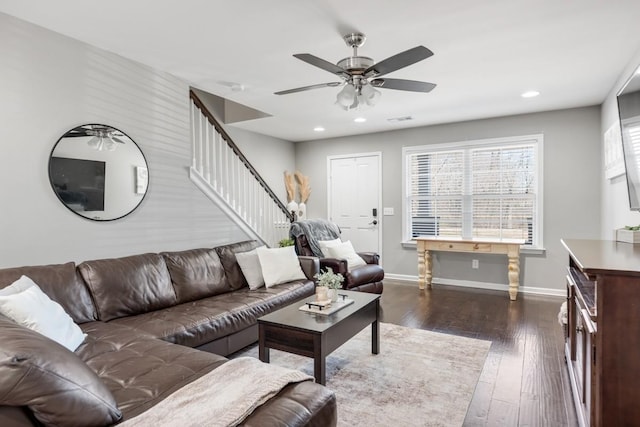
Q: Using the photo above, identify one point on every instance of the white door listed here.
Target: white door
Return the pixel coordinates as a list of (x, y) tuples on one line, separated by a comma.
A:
[(354, 191)]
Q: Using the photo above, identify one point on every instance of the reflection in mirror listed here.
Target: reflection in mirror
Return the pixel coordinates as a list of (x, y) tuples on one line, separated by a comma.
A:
[(629, 110), (98, 172)]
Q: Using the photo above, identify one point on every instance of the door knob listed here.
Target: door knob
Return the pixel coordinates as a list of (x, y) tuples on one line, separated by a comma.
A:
[(374, 222)]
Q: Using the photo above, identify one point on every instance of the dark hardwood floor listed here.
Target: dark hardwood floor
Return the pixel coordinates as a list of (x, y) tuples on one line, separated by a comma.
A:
[(524, 381)]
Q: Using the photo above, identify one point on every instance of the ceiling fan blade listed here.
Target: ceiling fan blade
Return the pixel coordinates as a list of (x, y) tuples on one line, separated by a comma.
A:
[(303, 88), (401, 84), (74, 134), (79, 131), (400, 60), (116, 139), (321, 63)]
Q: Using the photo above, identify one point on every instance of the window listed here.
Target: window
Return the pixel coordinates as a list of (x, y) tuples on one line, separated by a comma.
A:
[(479, 189)]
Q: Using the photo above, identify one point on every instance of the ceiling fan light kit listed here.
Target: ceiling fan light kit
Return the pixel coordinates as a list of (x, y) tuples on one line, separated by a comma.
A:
[(360, 75), (357, 94), (104, 138), (99, 143)]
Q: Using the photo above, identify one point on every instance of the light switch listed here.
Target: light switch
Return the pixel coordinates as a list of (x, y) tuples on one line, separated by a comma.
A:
[(387, 211)]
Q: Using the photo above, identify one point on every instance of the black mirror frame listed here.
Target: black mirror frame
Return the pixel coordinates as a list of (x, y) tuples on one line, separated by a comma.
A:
[(66, 135)]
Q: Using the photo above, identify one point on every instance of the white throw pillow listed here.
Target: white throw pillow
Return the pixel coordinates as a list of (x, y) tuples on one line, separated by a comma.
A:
[(33, 309), (18, 286), (280, 265), (345, 251), (326, 244), (250, 265)]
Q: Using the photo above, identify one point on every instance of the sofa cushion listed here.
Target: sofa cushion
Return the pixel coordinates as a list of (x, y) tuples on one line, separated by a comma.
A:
[(61, 283), (303, 404), (53, 382), (33, 309), (232, 270), (199, 322), (140, 370), (196, 273), (128, 286)]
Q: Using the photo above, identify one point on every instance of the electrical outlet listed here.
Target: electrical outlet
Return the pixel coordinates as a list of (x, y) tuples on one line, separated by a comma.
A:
[(475, 263)]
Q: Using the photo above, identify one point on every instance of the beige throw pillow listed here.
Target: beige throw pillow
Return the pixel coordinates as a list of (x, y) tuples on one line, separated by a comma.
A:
[(345, 251), (279, 265), (326, 244), (250, 265)]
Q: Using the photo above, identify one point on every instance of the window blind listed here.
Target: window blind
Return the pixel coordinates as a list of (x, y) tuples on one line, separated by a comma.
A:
[(477, 190), (503, 193), (436, 194)]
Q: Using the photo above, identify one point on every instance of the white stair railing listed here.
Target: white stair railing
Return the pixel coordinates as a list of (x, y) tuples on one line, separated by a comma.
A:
[(223, 173)]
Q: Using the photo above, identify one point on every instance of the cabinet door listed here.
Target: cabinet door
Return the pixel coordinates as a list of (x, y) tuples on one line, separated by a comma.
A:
[(571, 319), (585, 361), (581, 356), (588, 333)]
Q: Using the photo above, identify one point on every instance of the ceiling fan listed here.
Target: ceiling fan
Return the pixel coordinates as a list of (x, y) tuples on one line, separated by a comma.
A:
[(104, 137), (360, 75)]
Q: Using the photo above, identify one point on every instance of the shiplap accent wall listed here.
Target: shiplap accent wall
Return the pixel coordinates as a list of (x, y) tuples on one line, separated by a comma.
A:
[(49, 84)]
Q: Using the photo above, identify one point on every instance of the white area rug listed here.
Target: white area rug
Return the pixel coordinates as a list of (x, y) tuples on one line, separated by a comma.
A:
[(420, 378)]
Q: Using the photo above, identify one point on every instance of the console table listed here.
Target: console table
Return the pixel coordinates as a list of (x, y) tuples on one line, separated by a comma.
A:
[(510, 248)]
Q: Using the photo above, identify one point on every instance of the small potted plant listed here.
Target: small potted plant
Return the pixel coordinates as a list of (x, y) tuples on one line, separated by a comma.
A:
[(331, 281), (286, 242)]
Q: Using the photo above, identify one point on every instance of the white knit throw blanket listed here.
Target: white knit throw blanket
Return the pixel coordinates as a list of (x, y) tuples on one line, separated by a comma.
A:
[(223, 397)]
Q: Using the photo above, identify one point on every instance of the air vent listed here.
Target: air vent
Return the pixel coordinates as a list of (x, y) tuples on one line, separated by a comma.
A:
[(400, 119)]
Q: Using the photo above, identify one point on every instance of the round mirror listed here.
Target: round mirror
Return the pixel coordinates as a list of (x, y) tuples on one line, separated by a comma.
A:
[(98, 172)]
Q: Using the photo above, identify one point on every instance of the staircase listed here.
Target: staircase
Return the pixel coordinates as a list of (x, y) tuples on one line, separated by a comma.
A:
[(222, 173)]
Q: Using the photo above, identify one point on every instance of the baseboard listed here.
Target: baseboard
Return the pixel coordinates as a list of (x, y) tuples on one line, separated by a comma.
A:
[(413, 280)]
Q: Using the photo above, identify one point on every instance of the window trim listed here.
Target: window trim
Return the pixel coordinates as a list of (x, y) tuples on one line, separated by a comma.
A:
[(537, 139)]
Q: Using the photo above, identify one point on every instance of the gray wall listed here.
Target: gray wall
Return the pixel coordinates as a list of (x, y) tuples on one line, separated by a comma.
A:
[(49, 84), (571, 189), (615, 201), (270, 156)]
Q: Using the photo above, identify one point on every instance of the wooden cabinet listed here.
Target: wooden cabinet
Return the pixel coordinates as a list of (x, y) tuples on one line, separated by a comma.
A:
[(603, 332)]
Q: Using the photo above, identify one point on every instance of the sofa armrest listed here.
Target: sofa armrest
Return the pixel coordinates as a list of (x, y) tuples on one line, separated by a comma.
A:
[(339, 266), (310, 266), (370, 257)]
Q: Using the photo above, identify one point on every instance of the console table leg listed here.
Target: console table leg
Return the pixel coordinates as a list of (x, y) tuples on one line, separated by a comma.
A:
[(428, 269), (420, 267), (425, 273), (514, 276)]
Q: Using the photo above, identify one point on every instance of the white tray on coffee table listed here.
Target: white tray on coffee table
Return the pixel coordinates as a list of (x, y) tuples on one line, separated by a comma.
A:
[(335, 306)]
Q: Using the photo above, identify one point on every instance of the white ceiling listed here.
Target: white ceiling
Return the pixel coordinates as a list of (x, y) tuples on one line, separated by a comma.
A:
[(486, 53)]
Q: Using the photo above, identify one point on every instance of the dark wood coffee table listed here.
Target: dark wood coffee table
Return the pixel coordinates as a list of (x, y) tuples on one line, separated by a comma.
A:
[(317, 335)]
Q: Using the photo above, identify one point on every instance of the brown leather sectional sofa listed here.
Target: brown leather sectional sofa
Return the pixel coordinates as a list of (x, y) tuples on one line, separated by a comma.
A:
[(135, 310)]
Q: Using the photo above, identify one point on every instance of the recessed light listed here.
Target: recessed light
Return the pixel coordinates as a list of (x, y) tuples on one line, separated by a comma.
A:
[(360, 120), (530, 94), (318, 129)]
